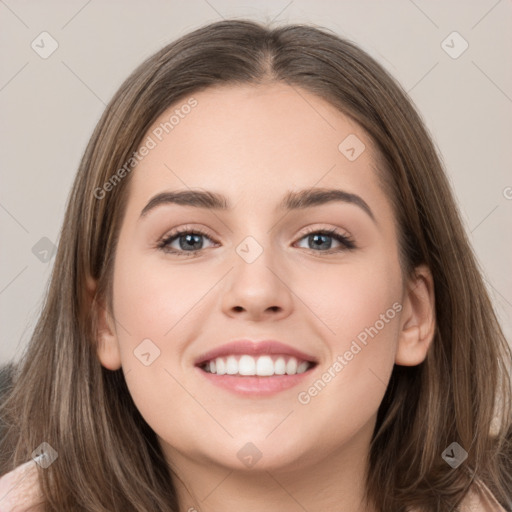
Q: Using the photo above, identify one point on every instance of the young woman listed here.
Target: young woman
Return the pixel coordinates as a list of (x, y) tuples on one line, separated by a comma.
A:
[(263, 298)]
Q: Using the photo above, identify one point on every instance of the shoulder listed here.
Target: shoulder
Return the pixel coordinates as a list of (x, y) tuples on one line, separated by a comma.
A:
[(480, 499), (20, 491)]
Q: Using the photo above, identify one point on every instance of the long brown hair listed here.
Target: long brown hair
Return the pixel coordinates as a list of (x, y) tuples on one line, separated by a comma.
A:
[(109, 458)]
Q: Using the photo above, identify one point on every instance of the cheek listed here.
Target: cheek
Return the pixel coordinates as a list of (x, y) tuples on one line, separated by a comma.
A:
[(156, 306), (151, 297), (361, 307), (349, 297)]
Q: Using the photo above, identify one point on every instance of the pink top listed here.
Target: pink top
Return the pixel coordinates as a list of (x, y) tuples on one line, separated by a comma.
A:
[(19, 492)]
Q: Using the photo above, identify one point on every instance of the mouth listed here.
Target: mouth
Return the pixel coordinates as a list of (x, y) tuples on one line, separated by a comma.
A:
[(255, 368), (260, 366)]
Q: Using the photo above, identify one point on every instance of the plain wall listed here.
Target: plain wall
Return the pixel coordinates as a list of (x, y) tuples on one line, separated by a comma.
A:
[(49, 107)]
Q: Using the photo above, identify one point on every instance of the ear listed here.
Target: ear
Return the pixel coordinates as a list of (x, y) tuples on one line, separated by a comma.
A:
[(107, 349), (418, 322)]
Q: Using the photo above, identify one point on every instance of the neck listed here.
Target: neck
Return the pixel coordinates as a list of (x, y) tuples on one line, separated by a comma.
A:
[(335, 482)]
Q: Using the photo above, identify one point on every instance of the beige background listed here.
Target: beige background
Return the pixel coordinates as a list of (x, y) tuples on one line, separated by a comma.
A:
[(49, 108)]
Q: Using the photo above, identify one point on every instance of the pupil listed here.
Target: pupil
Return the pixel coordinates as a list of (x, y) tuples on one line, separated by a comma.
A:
[(189, 239), (317, 237)]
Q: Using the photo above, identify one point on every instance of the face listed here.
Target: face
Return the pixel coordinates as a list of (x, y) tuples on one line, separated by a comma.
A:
[(322, 278)]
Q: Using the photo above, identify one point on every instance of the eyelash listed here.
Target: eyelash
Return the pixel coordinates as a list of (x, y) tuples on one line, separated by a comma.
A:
[(163, 244)]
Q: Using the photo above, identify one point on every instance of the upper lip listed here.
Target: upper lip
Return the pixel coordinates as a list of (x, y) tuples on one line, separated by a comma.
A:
[(254, 348)]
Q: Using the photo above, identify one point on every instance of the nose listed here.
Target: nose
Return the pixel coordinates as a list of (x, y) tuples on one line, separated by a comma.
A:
[(257, 290)]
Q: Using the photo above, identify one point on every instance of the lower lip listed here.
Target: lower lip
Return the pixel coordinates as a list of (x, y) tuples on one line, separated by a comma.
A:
[(254, 385)]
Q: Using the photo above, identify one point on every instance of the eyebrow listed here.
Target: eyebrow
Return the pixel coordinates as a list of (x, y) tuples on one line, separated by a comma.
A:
[(293, 200)]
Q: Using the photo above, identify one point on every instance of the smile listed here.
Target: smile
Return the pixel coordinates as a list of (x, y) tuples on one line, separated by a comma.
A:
[(255, 368), (256, 376), (261, 366)]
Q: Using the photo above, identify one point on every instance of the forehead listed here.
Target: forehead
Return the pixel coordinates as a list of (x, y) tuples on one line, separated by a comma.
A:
[(252, 142)]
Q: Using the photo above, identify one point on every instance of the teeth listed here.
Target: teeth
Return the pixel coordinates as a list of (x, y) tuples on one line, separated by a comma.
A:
[(262, 366), (247, 365), (291, 366), (280, 366), (220, 365), (231, 366), (302, 367)]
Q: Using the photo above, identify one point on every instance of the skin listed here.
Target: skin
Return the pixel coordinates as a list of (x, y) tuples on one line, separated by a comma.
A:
[(253, 144)]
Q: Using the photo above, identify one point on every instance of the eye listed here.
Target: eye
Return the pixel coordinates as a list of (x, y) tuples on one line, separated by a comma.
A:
[(188, 241), (322, 239)]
